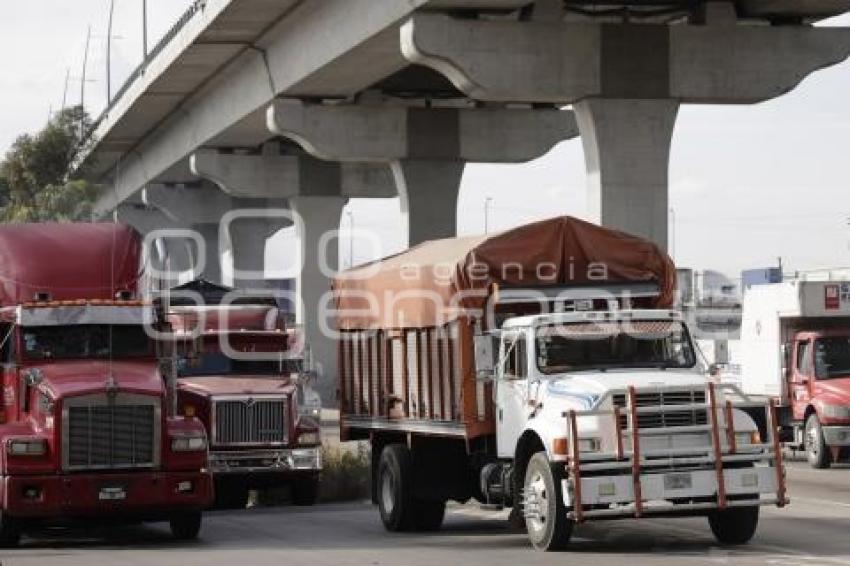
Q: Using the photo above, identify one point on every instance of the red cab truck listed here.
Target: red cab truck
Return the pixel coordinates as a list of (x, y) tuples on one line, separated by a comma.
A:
[(86, 434), (795, 345), (249, 384)]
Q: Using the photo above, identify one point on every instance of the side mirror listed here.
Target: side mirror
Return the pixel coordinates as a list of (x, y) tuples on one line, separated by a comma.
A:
[(486, 347)]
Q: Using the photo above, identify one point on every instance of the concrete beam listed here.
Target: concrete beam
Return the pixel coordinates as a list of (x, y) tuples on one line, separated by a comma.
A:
[(272, 175), (366, 133), (509, 61)]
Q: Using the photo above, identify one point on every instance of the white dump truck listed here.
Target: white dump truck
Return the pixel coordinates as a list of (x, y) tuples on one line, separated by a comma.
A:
[(795, 346), (541, 369)]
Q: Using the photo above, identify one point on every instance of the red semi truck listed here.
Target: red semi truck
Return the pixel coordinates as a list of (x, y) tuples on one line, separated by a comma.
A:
[(86, 431), (248, 382)]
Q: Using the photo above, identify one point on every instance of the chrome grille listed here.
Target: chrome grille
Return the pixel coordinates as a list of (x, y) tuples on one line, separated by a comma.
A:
[(250, 421), (100, 434), (666, 419)]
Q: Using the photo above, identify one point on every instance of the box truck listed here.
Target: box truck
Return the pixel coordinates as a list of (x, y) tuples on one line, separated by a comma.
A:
[(795, 346)]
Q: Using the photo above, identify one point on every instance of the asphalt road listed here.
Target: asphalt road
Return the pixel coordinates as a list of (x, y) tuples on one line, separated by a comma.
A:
[(815, 529)]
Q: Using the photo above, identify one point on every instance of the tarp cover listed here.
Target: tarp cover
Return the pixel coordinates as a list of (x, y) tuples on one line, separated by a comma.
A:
[(434, 282), (68, 261)]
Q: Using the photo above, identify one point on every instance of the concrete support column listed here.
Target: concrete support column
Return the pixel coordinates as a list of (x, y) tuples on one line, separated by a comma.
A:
[(172, 255), (627, 152), (428, 192), (211, 271), (318, 216)]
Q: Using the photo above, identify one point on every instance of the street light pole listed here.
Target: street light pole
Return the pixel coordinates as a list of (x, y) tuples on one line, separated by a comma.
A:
[(350, 216), (144, 30), (487, 202), (672, 233), (109, 53), (83, 84)]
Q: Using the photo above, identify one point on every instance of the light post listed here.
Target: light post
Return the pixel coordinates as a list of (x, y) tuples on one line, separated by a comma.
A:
[(672, 233), (109, 53), (144, 30), (487, 203), (350, 216)]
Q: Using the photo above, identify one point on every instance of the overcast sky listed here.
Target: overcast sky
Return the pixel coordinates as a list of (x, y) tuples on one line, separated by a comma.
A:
[(748, 183)]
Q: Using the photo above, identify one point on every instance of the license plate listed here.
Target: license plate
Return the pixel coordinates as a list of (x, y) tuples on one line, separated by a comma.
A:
[(678, 481), (112, 494)]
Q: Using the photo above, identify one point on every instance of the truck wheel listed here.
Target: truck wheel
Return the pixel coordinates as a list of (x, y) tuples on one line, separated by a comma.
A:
[(429, 515), (734, 526), (305, 491), (186, 526), (395, 500), (546, 519), (10, 534), (817, 451)]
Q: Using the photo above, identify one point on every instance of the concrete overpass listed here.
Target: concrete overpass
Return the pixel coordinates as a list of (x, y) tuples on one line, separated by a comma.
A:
[(312, 102)]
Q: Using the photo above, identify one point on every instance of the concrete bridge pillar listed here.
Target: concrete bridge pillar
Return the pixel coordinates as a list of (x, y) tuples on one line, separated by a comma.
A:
[(171, 256), (318, 217), (426, 148), (627, 152), (625, 81), (316, 192), (210, 212)]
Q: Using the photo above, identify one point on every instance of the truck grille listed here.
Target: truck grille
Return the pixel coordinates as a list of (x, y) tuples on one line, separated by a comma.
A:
[(665, 419), (250, 421), (102, 435)]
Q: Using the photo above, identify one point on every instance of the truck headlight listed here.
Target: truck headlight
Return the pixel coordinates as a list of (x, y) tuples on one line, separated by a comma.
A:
[(747, 438), (836, 411), (27, 447), (188, 442)]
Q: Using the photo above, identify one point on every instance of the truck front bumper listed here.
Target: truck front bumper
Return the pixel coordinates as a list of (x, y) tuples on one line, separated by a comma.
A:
[(110, 496), (288, 461), (836, 435), (672, 491)]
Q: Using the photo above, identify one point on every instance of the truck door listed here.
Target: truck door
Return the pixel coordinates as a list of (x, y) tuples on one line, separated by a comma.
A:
[(511, 393), (802, 371)]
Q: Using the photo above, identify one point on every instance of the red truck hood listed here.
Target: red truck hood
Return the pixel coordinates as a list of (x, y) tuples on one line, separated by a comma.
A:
[(67, 379), (212, 385)]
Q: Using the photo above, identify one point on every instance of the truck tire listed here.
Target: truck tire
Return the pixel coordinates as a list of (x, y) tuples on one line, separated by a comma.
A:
[(186, 526), (10, 534), (305, 491), (395, 490), (734, 526), (549, 528), (817, 452)]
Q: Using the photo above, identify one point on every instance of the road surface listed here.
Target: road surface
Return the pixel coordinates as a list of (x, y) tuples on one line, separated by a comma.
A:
[(814, 530)]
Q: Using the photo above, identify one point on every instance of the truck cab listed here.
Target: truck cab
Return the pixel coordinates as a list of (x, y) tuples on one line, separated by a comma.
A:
[(244, 372), (619, 419), (85, 429), (818, 373)]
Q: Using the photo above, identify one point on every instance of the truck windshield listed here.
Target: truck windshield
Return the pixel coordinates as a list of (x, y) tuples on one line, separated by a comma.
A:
[(217, 363), (832, 357), (602, 345), (86, 341)]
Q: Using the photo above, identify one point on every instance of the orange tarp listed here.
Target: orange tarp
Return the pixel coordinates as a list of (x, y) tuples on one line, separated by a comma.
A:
[(434, 282)]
